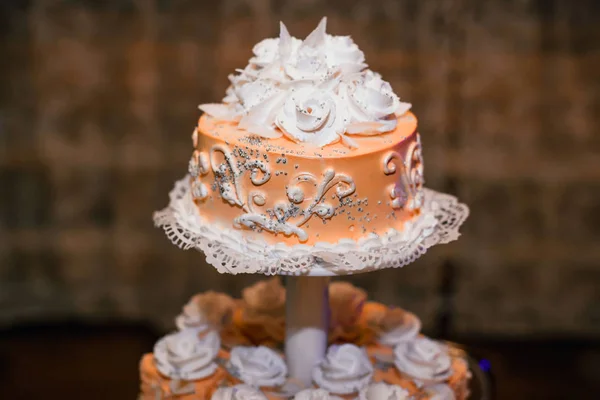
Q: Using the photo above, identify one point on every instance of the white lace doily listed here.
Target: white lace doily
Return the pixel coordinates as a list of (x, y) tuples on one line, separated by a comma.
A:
[(229, 251)]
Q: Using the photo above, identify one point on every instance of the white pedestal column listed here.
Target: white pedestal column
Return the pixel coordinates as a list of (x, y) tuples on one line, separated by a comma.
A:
[(307, 323)]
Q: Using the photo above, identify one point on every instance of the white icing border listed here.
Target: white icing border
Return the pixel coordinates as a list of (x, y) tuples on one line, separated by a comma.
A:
[(230, 251)]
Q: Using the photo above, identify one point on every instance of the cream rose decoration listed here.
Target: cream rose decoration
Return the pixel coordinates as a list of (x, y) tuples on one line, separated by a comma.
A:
[(206, 310), (399, 326), (312, 115), (258, 366), (346, 369), (383, 391), (187, 355), (265, 52), (315, 394), (423, 359), (344, 54), (314, 91), (238, 392), (372, 104)]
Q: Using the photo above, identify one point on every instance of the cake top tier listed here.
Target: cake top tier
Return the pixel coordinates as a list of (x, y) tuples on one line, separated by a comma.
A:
[(317, 91)]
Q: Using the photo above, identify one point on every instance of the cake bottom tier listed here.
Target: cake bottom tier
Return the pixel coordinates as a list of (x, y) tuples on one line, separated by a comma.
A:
[(226, 349)]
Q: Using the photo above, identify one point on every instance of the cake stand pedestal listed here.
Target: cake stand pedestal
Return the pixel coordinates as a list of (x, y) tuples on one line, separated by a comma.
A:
[(307, 323)]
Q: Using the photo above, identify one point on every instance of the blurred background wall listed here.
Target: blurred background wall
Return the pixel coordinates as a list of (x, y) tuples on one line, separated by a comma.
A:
[(98, 101)]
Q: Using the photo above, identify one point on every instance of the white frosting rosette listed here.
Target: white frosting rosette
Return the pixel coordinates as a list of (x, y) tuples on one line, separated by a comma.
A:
[(187, 355), (258, 366), (346, 369), (344, 54), (315, 394), (372, 104), (238, 392), (265, 52), (312, 115), (383, 391), (315, 91), (440, 391), (407, 330), (423, 359)]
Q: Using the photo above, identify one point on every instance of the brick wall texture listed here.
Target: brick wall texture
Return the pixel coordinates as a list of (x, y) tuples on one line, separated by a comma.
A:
[(98, 100)]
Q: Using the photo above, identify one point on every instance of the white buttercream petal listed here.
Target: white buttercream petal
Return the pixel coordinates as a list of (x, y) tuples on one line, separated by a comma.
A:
[(265, 52), (285, 42), (263, 131), (403, 108), (364, 128), (383, 391), (423, 359), (346, 369), (187, 355), (261, 119), (349, 141), (317, 36), (220, 111), (255, 93), (258, 366), (342, 96), (238, 392), (315, 394)]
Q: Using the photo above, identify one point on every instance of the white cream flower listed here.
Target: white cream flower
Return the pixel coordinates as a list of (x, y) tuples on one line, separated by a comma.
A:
[(238, 392), (258, 366), (423, 359), (265, 52), (315, 91), (372, 104), (344, 54), (383, 391), (312, 115), (346, 369), (315, 394), (187, 355), (255, 93), (309, 68)]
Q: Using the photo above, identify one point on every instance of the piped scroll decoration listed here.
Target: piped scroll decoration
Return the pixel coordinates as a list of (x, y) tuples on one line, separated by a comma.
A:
[(197, 167), (407, 192), (285, 217)]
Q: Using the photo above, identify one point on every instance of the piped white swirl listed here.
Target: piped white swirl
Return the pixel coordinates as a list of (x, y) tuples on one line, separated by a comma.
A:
[(258, 366), (423, 359), (187, 354), (346, 369), (238, 392), (315, 91), (407, 330), (383, 391), (315, 394)]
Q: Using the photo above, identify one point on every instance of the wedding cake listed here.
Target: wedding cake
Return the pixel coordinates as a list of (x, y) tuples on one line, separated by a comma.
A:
[(310, 165)]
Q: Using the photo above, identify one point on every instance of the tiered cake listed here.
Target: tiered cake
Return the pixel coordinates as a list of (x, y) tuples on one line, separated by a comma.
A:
[(311, 165)]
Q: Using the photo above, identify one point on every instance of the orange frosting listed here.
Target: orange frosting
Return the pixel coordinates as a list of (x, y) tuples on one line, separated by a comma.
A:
[(365, 207)]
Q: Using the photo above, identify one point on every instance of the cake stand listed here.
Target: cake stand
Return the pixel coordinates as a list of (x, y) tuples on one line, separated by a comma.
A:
[(309, 268)]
